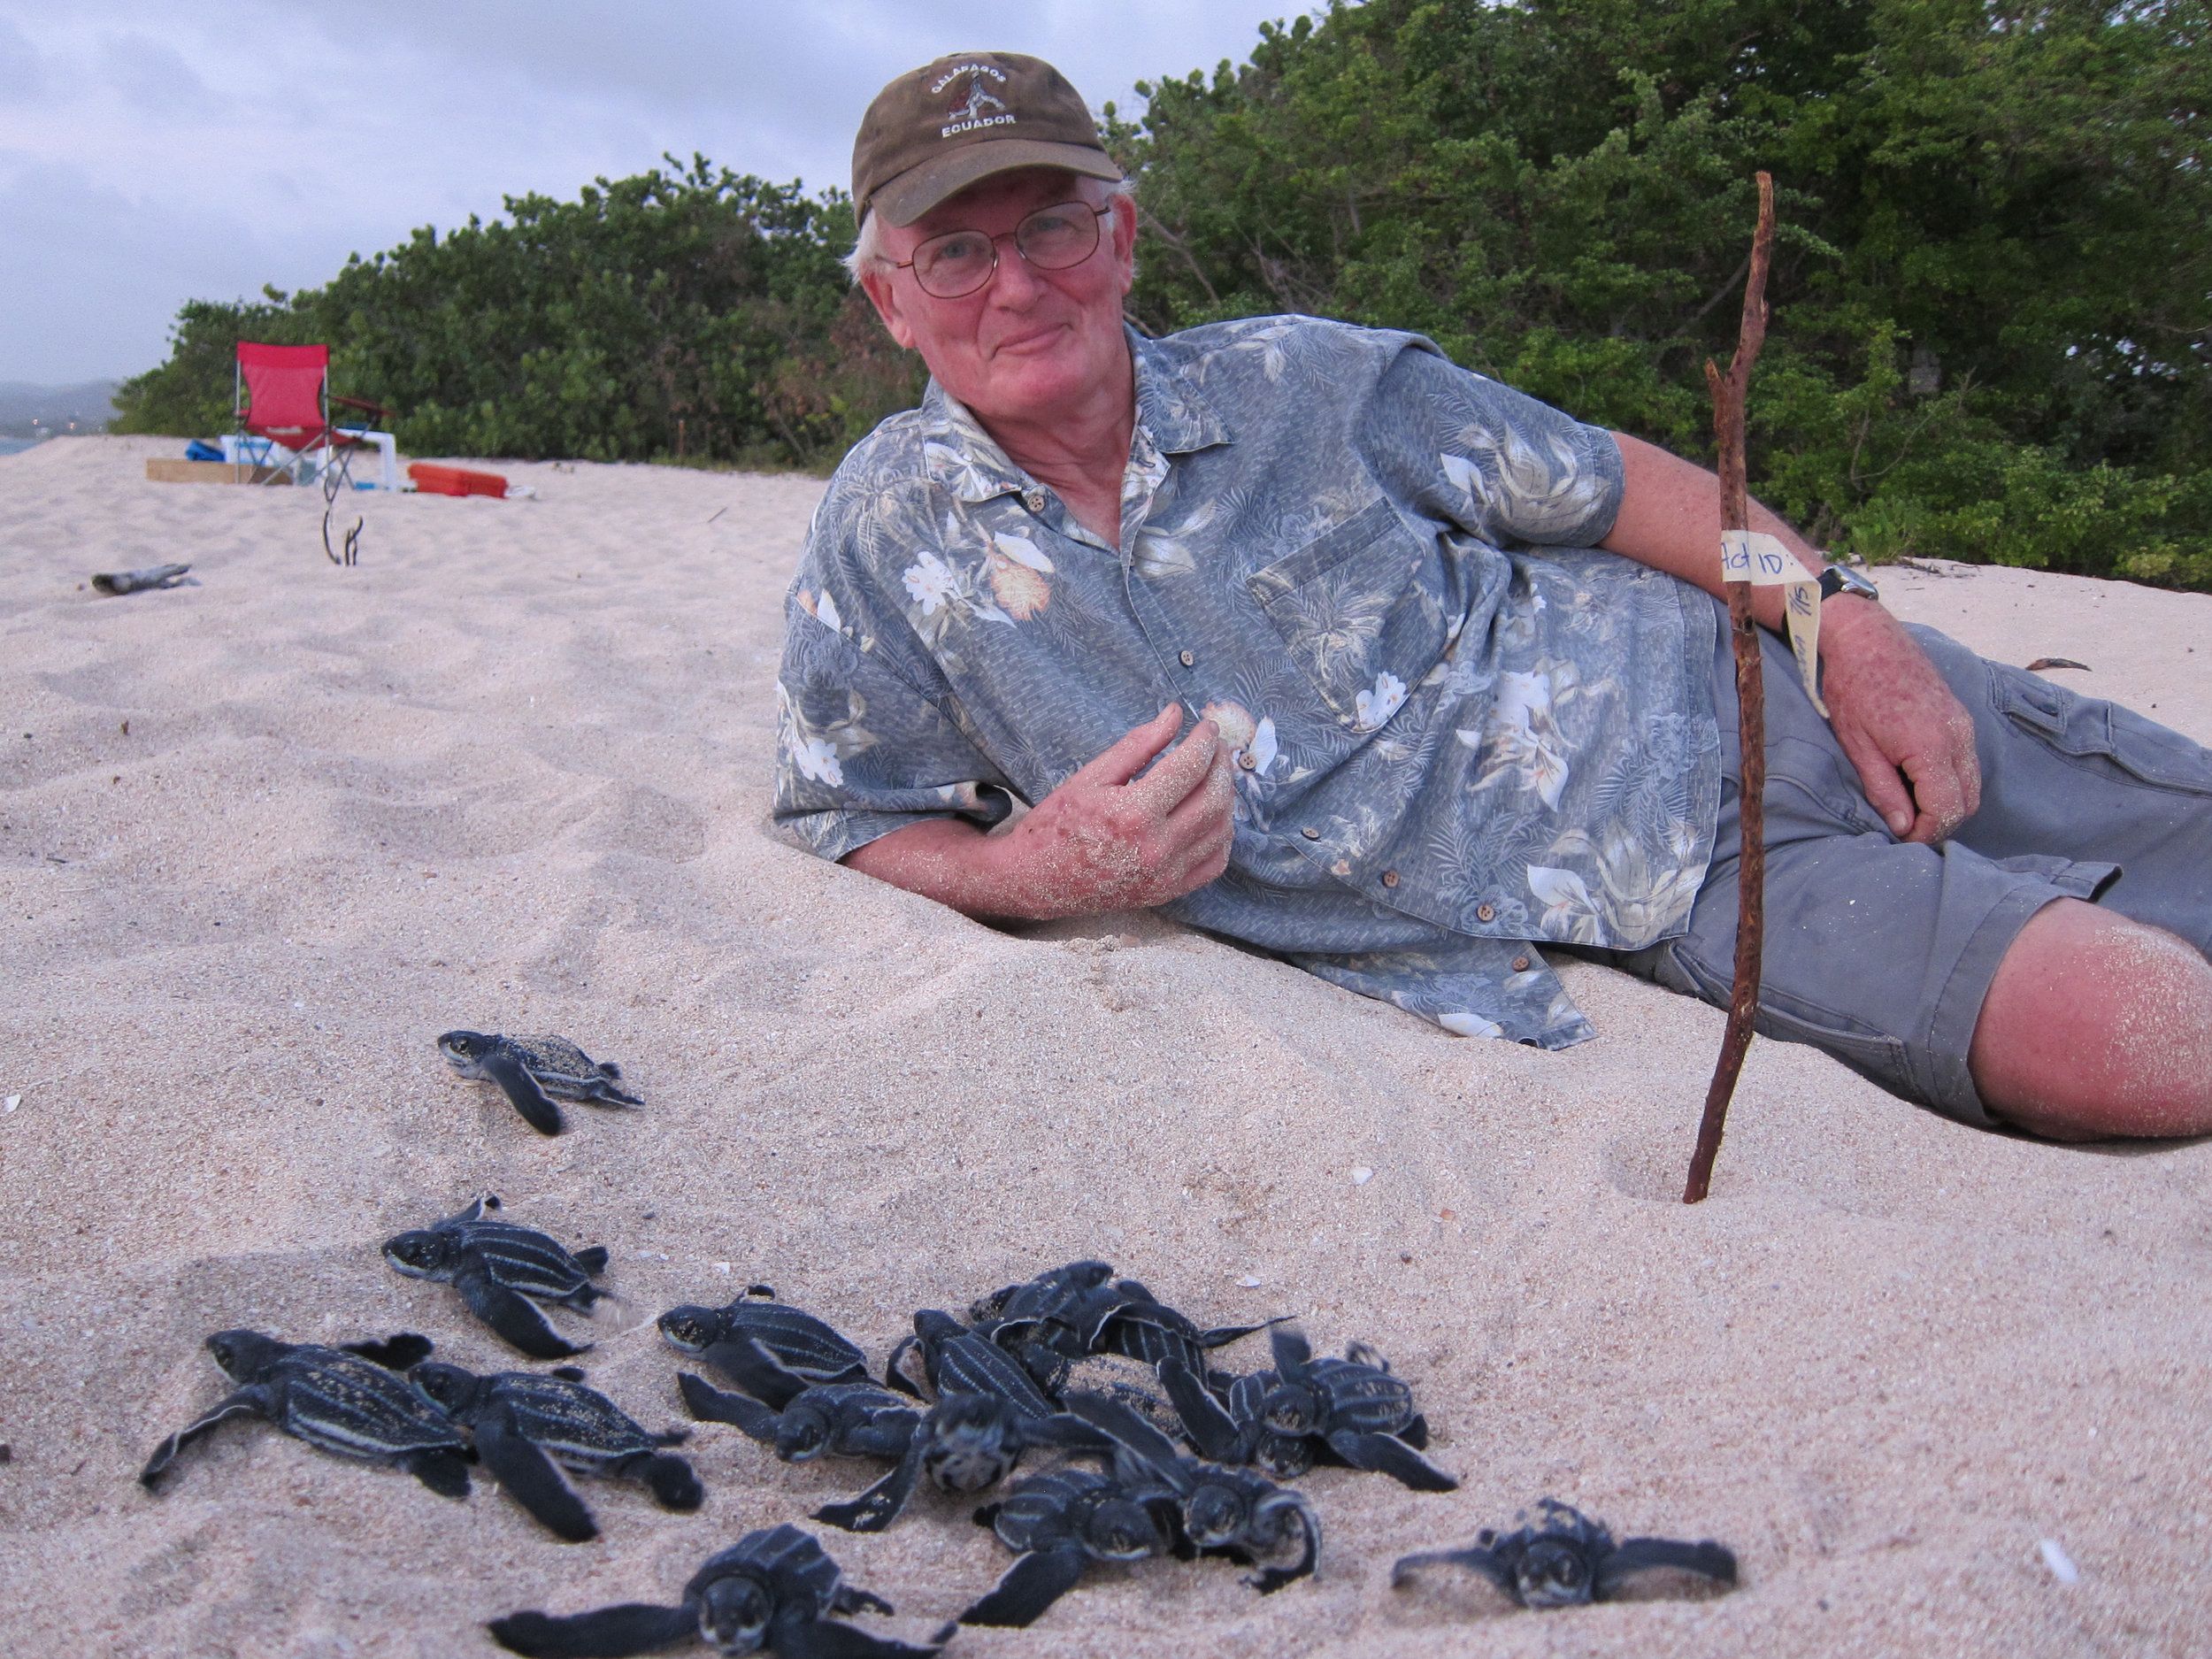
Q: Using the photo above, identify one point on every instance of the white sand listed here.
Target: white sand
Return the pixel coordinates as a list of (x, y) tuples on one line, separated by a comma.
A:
[(512, 772)]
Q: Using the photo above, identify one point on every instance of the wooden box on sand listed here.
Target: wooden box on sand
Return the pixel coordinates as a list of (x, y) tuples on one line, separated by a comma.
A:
[(161, 471)]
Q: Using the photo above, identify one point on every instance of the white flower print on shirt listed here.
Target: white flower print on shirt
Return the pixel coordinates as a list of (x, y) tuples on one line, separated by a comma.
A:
[(930, 579), (816, 758), (1375, 706)]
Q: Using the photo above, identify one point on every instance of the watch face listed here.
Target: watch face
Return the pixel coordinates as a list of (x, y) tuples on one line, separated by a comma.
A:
[(1839, 579)]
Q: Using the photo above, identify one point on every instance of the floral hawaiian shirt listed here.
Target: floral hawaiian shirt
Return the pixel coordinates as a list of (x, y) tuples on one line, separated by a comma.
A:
[(1460, 730)]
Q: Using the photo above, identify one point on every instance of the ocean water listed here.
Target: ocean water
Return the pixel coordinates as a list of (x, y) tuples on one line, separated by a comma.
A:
[(11, 446)]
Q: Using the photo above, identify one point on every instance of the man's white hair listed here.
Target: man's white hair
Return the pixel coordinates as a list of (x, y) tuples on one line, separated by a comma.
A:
[(868, 254)]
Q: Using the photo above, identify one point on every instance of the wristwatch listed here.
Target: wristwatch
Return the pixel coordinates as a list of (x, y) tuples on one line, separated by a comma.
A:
[(1841, 578)]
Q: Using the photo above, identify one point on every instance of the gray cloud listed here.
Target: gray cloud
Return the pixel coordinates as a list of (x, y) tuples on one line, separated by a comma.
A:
[(217, 149), (154, 80), (22, 74)]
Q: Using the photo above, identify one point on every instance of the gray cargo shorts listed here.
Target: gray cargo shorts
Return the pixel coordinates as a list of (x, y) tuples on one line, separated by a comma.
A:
[(1881, 951)]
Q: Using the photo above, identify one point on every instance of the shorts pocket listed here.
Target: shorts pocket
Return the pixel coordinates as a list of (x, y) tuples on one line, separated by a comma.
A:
[(2089, 729), (1359, 612), (1874, 1055)]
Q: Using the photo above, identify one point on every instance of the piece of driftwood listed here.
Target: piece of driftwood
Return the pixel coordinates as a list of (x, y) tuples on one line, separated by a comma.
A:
[(1729, 392)]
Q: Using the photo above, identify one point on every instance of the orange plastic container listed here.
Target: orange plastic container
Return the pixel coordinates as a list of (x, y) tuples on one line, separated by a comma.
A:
[(454, 481)]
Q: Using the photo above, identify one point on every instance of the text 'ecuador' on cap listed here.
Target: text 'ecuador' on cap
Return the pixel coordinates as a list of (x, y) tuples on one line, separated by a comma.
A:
[(936, 130)]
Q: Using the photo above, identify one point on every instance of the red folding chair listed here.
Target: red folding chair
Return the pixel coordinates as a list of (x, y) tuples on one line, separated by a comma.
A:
[(283, 399)]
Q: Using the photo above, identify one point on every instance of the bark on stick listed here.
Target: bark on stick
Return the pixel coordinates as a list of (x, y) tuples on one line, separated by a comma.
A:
[(1729, 392)]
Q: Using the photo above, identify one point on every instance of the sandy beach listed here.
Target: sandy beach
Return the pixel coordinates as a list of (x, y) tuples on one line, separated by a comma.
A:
[(263, 838)]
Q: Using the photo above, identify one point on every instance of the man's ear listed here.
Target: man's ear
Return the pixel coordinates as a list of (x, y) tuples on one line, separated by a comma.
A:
[(1125, 243), (883, 294)]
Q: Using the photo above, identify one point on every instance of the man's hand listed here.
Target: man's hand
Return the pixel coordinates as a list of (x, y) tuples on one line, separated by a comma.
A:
[(1895, 715), (1105, 840)]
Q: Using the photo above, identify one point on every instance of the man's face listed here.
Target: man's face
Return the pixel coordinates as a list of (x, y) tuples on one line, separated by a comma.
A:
[(1028, 343)]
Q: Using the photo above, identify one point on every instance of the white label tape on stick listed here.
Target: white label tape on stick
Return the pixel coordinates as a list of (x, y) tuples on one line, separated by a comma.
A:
[(1754, 557)]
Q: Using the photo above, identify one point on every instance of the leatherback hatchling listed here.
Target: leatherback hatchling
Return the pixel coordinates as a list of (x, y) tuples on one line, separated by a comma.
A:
[(1056, 1524), (1354, 1406), (503, 1272), (534, 1071), (1227, 1511), (775, 1589), (1081, 1309), (354, 1402), (1568, 1559), (769, 1348), (527, 1428)]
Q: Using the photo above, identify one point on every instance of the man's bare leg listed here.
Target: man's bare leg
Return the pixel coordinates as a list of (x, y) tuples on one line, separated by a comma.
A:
[(2097, 1025)]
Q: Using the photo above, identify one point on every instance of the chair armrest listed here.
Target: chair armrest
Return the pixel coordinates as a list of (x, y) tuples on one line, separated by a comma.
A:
[(383, 415)]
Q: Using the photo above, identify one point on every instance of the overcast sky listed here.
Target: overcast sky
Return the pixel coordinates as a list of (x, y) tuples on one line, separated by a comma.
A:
[(151, 153)]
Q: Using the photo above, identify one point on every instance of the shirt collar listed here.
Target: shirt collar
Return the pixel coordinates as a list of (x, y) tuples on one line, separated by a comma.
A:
[(966, 459)]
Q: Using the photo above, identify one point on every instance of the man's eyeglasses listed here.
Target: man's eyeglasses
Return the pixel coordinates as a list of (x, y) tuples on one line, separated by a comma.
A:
[(958, 262)]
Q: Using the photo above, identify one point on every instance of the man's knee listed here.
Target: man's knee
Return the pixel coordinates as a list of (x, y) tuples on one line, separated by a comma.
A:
[(2097, 1025)]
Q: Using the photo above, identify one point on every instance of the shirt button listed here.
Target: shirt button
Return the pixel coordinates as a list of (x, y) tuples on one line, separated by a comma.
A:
[(1186, 658), (1520, 965), (1311, 834), (1245, 760), (1034, 500), (1486, 913), (1390, 878)]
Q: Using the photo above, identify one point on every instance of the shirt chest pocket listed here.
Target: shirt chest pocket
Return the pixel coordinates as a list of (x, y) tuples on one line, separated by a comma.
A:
[(1360, 611)]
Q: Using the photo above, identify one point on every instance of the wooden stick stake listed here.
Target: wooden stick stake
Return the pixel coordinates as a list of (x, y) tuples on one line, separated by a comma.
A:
[(1728, 428)]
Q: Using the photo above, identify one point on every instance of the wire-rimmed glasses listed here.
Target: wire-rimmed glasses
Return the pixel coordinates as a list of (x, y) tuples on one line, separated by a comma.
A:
[(957, 264)]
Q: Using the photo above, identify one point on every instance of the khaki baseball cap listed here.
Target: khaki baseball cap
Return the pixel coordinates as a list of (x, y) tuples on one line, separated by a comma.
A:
[(936, 130)]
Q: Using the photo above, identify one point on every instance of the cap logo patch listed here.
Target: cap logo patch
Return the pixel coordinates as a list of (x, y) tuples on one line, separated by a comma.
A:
[(973, 110)]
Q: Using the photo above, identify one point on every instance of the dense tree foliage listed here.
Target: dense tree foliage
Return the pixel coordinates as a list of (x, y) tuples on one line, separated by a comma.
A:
[(1992, 330), (1993, 293), (686, 312)]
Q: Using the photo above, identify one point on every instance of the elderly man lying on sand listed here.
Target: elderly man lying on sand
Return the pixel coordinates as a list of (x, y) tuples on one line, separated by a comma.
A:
[(1460, 672)]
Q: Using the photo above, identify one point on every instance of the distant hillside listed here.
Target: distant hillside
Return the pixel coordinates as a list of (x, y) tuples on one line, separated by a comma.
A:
[(27, 410)]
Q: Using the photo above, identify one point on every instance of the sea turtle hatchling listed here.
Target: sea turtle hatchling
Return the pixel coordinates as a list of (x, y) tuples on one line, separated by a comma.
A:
[(503, 1272), (1353, 1405), (1226, 1511), (1227, 1426), (829, 1419), (1082, 1309), (775, 1588), (767, 1348), (1056, 1524), (1568, 1559), (534, 1071), (526, 1428), (989, 1411), (351, 1401)]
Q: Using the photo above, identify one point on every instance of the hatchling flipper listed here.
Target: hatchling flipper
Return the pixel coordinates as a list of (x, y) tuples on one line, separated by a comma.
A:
[(245, 1402), (880, 1504), (1652, 1568), (1485, 1564), (1387, 1454), (445, 1473), (523, 1092), (401, 1353), (609, 1633), (711, 1404), (534, 1479), (514, 1317), (1031, 1586)]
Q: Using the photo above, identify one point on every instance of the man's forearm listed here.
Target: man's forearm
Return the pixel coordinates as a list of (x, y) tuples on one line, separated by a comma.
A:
[(952, 862), (1670, 519)]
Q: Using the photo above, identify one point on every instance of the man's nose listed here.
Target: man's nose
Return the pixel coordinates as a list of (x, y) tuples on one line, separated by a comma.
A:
[(1015, 280)]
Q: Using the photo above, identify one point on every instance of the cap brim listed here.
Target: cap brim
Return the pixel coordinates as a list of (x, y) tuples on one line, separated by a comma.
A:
[(914, 192)]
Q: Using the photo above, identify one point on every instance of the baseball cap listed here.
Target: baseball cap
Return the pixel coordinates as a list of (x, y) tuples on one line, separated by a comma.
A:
[(936, 130)]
